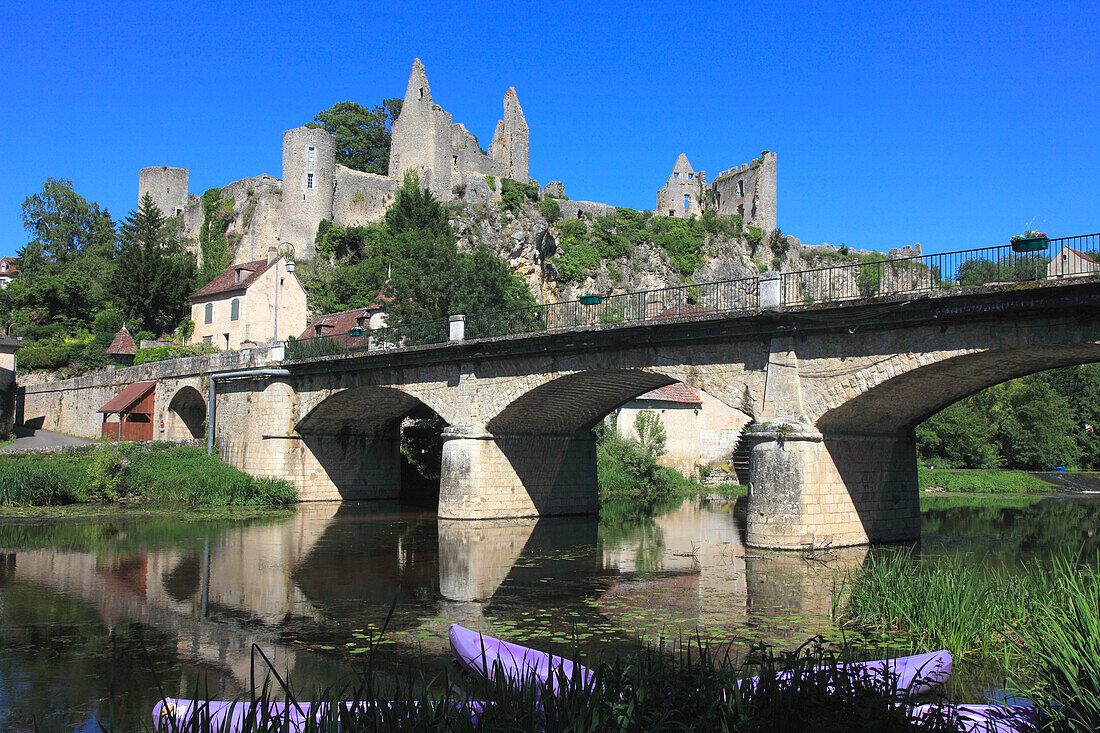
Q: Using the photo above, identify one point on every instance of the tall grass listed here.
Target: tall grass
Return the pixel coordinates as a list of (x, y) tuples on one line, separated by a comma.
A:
[(982, 481), (1042, 621), (698, 689), (133, 473)]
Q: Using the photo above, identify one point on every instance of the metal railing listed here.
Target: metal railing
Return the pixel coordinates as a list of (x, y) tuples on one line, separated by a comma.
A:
[(864, 277), (876, 275)]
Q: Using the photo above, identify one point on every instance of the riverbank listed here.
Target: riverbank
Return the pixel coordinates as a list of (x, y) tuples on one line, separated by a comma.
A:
[(136, 474), (982, 481)]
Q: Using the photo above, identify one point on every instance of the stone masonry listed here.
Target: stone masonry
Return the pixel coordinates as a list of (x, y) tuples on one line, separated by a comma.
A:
[(833, 396)]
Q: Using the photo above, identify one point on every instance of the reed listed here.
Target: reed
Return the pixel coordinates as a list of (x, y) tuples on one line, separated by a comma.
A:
[(699, 688)]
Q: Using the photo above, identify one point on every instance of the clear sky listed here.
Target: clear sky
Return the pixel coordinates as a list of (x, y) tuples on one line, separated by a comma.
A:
[(893, 123)]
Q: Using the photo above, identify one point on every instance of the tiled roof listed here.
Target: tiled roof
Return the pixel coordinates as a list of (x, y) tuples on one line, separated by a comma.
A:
[(226, 282), (127, 397), (675, 392), (335, 323), (11, 269), (123, 343), (7, 341)]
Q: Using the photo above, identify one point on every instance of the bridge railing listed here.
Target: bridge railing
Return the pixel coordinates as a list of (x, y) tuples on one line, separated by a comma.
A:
[(727, 296), (875, 274), (419, 333)]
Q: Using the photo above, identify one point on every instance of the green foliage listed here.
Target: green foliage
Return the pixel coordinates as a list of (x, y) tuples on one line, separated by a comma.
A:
[(1033, 422), (491, 182), (163, 353), (981, 481), (627, 468), (153, 272), (778, 243), (362, 135), (65, 228), (576, 255), (651, 434), (869, 280), (133, 473), (1010, 268), (217, 215), (753, 235), (416, 210), (550, 210), (513, 194)]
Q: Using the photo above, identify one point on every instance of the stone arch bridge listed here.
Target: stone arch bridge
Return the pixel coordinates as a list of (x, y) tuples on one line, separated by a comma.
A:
[(834, 393)]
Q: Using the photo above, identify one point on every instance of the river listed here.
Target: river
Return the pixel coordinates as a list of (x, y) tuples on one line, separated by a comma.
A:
[(96, 614)]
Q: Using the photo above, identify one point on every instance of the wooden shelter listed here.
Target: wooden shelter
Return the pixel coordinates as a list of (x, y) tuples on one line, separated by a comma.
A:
[(134, 407)]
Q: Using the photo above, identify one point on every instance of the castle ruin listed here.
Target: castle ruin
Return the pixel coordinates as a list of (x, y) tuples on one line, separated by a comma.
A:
[(748, 191), (285, 213)]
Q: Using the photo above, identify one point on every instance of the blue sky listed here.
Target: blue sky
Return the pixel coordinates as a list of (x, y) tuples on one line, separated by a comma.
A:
[(894, 124)]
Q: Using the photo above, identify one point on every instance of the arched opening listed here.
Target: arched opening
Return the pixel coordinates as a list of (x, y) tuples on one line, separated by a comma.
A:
[(186, 417), (375, 443)]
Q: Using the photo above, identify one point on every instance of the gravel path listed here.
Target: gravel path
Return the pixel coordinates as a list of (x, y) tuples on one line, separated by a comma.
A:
[(44, 440)]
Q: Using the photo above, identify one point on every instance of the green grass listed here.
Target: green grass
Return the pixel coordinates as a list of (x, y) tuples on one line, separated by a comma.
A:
[(161, 474), (985, 481)]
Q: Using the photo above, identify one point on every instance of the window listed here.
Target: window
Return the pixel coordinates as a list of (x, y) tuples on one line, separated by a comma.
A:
[(209, 315), (740, 188), (235, 309), (672, 212), (454, 163), (421, 92), (691, 176), (208, 339), (675, 175), (309, 180), (741, 209), (687, 201), (312, 152)]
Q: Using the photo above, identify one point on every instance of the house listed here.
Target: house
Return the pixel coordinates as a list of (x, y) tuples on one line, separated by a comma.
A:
[(1071, 263), (122, 349), (238, 305), (699, 429), (8, 270), (338, 324)]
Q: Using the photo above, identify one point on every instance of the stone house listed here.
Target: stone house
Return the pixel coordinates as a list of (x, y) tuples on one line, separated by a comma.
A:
[(339, 324), (700, 430), (682, 194), (1070, 262), (239, 305)]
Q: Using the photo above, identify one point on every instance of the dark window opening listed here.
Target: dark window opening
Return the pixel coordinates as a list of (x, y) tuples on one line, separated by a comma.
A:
[(235, 309), (421, 92), (208, 316), (309, 180)]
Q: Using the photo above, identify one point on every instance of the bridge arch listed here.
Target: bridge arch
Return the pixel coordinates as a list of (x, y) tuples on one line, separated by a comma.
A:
[(898, 393), (186, 415), (353, 438)]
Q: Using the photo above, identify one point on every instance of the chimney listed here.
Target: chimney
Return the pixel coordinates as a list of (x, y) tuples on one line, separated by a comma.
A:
[(271, 254)]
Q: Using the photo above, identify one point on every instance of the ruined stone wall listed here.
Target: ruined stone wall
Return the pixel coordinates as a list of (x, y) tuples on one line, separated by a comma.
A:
[(360, 198), (682, 194), (749, 191), (167, 186)]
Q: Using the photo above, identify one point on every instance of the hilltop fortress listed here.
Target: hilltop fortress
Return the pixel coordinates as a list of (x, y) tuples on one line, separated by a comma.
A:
[(284, 213)]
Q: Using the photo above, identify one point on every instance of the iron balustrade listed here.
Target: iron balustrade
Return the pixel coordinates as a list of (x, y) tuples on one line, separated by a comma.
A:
[(874, 275), (865, 277)]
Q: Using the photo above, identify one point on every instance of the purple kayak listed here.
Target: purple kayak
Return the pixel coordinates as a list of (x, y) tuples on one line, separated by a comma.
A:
[(986, 718), (912, 675)]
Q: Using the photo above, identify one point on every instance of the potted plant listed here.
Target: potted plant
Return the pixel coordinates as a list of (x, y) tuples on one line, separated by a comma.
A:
[(1030, 241)]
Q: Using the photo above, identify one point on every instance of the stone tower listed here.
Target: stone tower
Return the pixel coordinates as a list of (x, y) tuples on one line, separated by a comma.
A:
[(682, 193), (750, 191), (167, 186), (309, 173), (510, 148)]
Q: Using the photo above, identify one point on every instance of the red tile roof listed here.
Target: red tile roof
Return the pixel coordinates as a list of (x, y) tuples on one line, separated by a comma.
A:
[(226, 282), (127, 397), (11, 270), (123, 343), (336, 323), (675, 392)]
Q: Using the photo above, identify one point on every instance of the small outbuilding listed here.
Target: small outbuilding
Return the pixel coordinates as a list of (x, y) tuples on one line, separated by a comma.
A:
[(134, 408), (122, 349)]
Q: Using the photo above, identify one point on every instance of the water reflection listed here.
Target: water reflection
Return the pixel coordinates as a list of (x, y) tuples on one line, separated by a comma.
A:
[(313, 586)]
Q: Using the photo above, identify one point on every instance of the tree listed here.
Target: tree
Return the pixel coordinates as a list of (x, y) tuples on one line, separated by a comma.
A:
[(959, 436), (651, 434), (153, 272), (64, 226), (1040, 429), (362, 135)]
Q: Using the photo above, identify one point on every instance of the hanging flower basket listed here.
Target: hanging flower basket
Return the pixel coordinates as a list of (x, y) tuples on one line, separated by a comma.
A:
[(591, 299), (1030, 242), (355, 331)]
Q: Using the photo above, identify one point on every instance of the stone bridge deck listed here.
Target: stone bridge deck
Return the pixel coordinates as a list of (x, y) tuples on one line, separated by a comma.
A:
[(833, 392)]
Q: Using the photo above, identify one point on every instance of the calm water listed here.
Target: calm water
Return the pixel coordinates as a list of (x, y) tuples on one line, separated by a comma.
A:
[(94, 615)]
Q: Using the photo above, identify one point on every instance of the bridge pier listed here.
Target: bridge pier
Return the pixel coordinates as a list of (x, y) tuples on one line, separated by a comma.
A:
[(809, 489), (487, 476)]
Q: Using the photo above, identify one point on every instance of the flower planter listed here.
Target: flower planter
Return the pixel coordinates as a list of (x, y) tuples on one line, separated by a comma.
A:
[(356, 331), (591, 299), (1030, 244)]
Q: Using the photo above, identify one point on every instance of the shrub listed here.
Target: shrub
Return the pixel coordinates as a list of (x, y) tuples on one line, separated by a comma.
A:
[(753, 235), (982, 481), (105, 472), (162, 353), (550, 210), (492, 182), (869, 280)]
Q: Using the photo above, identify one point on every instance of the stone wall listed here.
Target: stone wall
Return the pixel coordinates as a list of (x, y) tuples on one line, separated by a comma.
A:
[(360, 198), (750, 191), (682, 194), (167, 186), (309, 177)]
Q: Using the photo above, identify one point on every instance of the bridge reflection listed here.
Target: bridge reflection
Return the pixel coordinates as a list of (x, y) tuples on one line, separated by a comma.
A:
[(296, 585)]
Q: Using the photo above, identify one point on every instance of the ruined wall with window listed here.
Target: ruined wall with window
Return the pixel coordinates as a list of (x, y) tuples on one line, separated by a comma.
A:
[(750, 191)]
